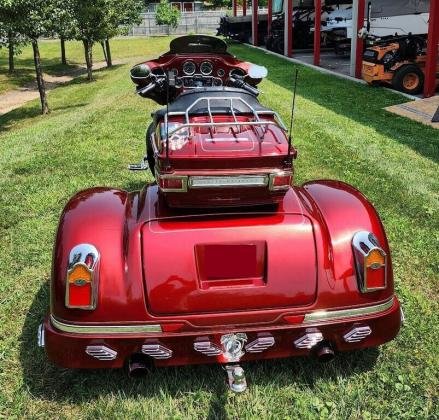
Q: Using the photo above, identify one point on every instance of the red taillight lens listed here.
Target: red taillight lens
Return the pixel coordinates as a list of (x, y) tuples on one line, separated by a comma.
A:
[(170, 183), (80, 293), (280, 181), (81, 281), (375, 270)]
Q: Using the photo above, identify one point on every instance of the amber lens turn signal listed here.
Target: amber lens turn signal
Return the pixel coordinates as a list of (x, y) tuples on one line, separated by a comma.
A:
[(80, 291)]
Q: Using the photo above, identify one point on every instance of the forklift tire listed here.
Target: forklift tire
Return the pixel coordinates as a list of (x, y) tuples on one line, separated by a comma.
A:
[(409, 79)]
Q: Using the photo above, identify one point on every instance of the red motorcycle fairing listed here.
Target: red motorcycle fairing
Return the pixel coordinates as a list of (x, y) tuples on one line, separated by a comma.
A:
[(322, 218)]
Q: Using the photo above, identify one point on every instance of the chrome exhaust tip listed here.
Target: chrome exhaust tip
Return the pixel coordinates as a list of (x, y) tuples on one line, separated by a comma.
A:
[(138, 366), (325, 354)]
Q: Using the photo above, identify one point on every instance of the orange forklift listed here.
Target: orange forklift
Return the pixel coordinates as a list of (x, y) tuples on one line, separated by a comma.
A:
[(398, 61)]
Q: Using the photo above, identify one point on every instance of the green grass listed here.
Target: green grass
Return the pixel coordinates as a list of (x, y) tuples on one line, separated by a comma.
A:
[(341, 132), (51, 55)]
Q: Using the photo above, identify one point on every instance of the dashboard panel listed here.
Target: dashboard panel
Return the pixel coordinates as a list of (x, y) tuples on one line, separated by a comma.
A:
[(201, 70)]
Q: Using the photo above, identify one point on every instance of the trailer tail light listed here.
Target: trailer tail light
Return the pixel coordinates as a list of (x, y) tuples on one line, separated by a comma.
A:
[(370, 262), (172, 183), (81, 282), (280, 181)]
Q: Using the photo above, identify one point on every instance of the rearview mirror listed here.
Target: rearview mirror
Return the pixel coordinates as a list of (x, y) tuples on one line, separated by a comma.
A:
[(257, 72)]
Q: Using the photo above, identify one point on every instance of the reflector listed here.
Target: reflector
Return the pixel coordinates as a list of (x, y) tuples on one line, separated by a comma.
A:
[(172, 183), (280, 181)]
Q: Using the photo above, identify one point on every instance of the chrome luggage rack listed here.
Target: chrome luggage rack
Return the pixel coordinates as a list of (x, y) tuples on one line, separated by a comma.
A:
[(256, 114)]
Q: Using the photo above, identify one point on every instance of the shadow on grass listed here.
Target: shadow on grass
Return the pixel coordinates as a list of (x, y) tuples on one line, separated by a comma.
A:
[(361, 103), (11, 118), (48, 382)]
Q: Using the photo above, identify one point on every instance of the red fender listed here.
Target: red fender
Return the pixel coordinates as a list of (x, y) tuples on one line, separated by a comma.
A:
[(98, 216), (342, 211)]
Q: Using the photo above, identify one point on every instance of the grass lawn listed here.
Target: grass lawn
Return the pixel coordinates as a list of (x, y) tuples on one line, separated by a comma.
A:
[(51, 55), (96, 129)]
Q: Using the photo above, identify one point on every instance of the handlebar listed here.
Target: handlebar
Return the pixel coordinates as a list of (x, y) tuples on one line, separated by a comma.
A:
[(237, 82), (146, 88), (240, 83)]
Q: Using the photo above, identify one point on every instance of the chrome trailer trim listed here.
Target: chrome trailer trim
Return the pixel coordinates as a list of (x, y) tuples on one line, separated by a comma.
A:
[(105, 329), (348, 313), (156, 328)]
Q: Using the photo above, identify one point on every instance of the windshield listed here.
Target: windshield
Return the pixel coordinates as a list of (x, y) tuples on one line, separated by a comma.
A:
[(198, 44)]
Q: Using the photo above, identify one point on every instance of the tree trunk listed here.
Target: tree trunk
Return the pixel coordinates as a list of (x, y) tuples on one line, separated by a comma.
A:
[(109, 60), (11, 52), (63, 51), (40, 80), (104, 51), (88, 58)]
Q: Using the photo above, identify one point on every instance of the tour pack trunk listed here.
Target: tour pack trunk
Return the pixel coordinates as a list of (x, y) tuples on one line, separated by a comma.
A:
[(229, 263)]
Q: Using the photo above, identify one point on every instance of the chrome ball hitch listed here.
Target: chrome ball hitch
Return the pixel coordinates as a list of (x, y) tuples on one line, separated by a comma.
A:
[(236, 378)]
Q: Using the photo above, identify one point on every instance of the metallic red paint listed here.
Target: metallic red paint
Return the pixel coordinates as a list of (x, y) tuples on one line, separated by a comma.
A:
[(68, 350), (167, 288)]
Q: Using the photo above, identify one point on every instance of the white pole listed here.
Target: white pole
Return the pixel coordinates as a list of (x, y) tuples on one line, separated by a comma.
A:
[(288, 16), (354, 36)]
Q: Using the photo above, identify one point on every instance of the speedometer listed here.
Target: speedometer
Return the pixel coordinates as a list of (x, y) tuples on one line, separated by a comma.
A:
[(206, 68), (189, 68)]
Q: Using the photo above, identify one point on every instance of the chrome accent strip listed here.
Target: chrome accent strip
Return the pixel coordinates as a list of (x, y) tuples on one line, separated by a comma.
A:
[(105, 329), (101, 352), (261, 344), (357, 334), (207, 348), (402, 316), (309, 340), (221, 181), (348, 313), (157, 351), (41, 336)]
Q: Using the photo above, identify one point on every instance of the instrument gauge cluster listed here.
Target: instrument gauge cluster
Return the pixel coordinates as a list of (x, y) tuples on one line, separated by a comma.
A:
[(189, 68), (237, 72), (206, 68)]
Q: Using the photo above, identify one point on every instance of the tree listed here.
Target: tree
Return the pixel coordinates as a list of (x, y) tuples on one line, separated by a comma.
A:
[(33, 19), (166, 14), (9, 37), (119, 16), (64, 26), (89, 26)]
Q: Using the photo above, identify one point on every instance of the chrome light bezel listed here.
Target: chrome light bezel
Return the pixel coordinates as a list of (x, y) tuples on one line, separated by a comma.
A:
[(273, 175), (184, 185), (363, 243), (78, 256)]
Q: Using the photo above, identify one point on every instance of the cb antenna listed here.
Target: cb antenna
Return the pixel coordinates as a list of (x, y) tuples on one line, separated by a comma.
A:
[(170, 81), (292, 113)]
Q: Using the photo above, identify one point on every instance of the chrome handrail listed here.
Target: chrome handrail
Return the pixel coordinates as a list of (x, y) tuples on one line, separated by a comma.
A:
[(209, 99), (221, 124)]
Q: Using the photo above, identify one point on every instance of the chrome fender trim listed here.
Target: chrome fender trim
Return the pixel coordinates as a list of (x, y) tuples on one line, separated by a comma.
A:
[(312, 317), (104, 329), (348, 313)]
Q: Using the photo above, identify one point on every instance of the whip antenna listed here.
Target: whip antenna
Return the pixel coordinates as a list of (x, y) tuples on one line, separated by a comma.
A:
[(292, 113), (170, 81)]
